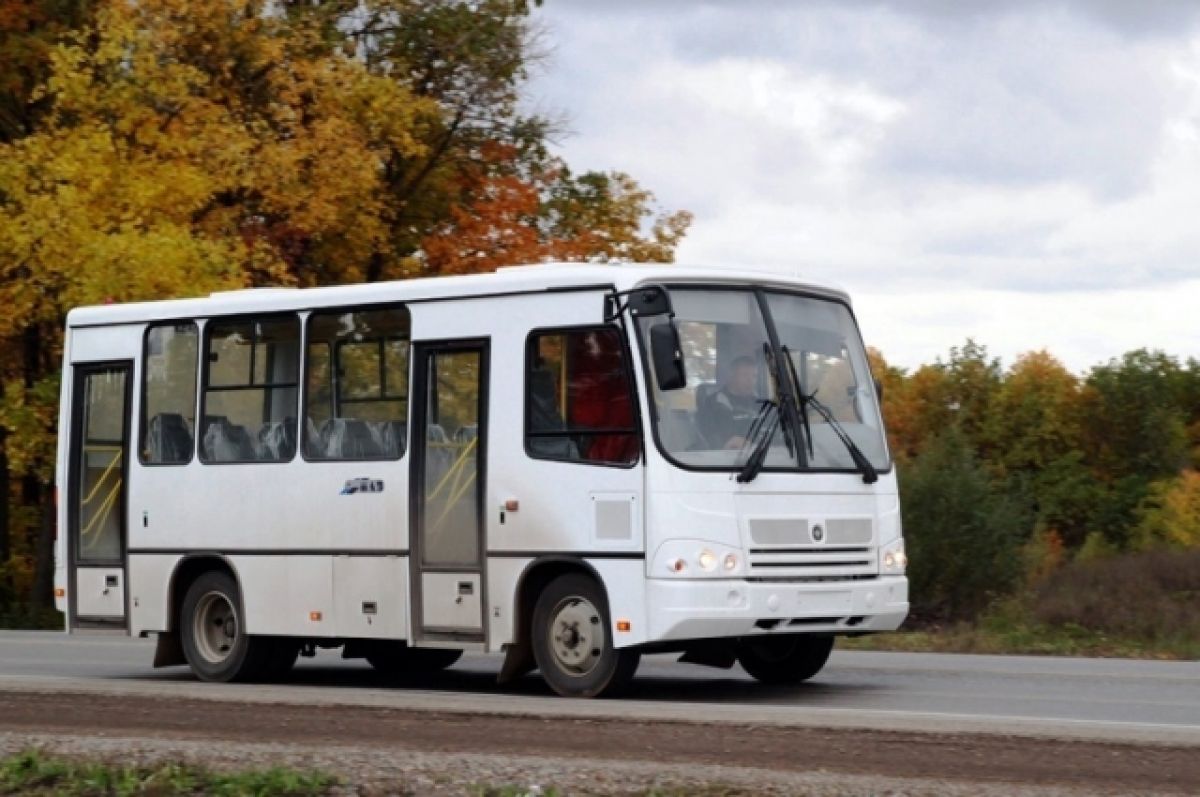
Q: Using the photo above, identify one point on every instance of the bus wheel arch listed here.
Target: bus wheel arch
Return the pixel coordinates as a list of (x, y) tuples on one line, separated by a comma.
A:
[(169, 650), (566, 630), (536, 576), (209, 608)]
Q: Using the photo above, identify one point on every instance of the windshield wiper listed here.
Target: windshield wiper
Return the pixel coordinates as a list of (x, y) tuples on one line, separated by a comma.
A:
[(761, 432), (776, 380), (869, 474)]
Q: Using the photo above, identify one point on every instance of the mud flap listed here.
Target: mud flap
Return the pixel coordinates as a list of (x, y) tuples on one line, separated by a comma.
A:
[(518, 660), (169, 650)]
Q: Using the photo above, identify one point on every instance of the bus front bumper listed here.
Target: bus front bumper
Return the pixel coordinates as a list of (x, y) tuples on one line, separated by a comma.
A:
[(712, 608)]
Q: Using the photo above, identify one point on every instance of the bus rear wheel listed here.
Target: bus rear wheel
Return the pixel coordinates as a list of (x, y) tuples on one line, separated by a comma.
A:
[(572, 642), (788, 659), (215, 642)]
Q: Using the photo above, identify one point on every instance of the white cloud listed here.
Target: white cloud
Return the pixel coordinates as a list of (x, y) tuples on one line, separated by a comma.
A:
[(1042, 159)]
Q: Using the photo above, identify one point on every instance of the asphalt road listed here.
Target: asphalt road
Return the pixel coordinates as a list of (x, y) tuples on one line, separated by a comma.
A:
[(1097, 699)]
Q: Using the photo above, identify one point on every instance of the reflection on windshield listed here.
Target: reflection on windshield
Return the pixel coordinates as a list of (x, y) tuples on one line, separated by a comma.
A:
[(723, 333)]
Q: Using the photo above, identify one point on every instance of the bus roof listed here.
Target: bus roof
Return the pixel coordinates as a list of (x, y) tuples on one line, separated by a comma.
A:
[(507, 280)]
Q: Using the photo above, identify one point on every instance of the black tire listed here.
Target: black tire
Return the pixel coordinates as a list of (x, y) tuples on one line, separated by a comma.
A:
[(572, 640), (789, 659), (397, 658), (211, 629)]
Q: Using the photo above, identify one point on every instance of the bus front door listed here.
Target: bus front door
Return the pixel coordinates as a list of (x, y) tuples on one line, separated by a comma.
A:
[(448, 470), (99, 465)]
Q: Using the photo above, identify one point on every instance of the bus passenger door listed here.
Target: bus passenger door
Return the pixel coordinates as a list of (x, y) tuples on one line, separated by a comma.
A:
[(448, 470), (99, 465)]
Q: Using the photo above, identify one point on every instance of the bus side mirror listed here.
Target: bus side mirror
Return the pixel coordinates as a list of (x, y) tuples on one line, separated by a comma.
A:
[(667, 355)]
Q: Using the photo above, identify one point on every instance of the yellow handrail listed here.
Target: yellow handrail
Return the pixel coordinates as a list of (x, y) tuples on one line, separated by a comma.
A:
[(458, 465), (457, 487), (103, 476), (103, 512)]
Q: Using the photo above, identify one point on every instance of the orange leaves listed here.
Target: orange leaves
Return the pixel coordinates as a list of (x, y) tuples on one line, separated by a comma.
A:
[(513, 212)]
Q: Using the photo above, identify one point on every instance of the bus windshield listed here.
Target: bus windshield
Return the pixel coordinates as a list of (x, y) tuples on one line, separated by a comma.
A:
[(729, 356)]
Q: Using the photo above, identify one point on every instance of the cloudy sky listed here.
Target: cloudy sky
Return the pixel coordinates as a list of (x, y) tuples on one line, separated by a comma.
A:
[(1024, 173)]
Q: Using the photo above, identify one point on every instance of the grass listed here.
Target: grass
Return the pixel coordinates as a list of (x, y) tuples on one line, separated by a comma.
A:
[(691, 790), (34, 773)]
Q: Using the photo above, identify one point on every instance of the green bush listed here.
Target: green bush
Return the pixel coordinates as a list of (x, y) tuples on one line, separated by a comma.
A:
[(963, 534)]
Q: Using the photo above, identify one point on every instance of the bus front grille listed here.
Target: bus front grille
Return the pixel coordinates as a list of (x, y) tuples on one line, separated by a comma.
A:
[(840, 562), (829, 548)]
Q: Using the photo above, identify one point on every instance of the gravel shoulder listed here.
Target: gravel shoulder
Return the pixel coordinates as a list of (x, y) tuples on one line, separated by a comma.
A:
[(387, 750)]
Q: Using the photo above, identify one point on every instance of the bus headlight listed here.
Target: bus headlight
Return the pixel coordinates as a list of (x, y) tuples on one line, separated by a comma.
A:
[(892, 559), (698, 559)]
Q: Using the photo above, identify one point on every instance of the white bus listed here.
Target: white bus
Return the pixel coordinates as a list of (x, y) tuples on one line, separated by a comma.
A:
[(569, 464)]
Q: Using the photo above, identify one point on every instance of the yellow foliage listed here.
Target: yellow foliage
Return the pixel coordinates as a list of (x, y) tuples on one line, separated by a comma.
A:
[(196, 146), (1171, 514)]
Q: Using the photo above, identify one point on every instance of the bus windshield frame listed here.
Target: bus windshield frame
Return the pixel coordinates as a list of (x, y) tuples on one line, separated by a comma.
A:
[(733, 337)]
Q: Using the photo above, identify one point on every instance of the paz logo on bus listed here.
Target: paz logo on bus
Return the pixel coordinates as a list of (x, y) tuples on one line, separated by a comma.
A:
[(353, 486)]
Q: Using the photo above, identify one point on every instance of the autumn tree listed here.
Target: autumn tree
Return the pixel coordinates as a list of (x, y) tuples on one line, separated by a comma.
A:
[(512, 212), (1134, 432), (1170, 513), (170, 147)]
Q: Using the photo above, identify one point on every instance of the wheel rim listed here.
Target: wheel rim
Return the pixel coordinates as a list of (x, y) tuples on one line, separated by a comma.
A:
[(577, 636), (215, 627)]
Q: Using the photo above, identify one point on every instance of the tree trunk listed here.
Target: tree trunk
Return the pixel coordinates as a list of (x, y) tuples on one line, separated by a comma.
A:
[(5, 498), (43, 573), (5, 513), (35, 494)]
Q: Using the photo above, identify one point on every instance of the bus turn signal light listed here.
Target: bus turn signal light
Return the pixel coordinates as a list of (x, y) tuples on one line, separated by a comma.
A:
[(314, 616), (59, 592), (623, 625)]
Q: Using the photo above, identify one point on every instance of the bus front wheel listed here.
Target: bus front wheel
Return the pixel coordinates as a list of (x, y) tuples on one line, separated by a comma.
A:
[(572, 640), (784, 659)]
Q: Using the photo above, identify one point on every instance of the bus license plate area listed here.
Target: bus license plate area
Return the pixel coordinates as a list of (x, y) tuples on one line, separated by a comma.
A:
[(824, 603)]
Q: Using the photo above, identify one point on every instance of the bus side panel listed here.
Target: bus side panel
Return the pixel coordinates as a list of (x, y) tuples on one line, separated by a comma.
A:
[(502, 576), (625, 582), (287, 595), (150, 592), (370, 595)]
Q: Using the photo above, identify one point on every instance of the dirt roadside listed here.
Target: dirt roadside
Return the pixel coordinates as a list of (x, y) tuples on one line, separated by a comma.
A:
[(997, 760)]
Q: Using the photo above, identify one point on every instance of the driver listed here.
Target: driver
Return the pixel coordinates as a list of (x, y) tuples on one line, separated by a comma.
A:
[(728, 413)]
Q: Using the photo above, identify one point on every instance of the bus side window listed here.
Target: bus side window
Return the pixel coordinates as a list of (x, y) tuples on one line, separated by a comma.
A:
[(168, 422), (250, 390), (578, 398), (356, 384)]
